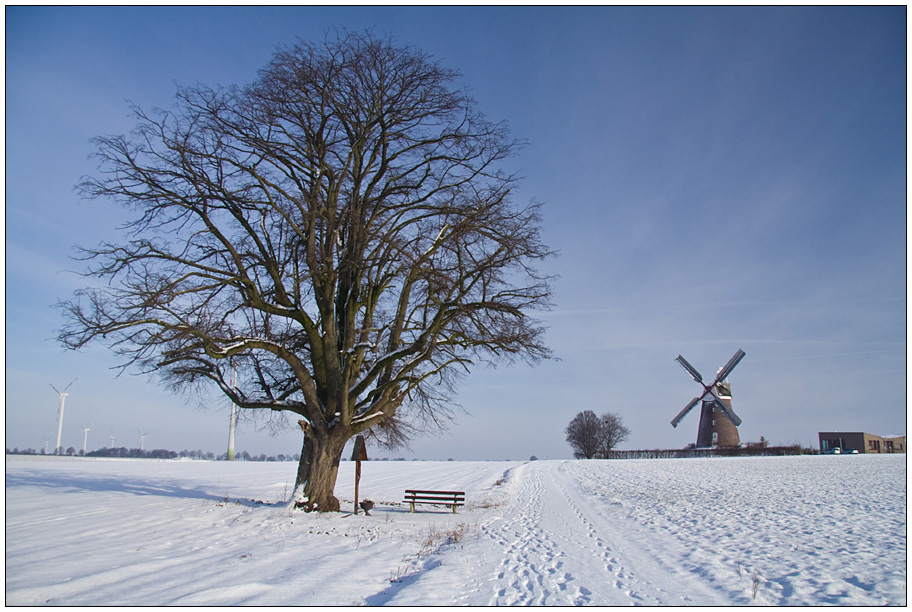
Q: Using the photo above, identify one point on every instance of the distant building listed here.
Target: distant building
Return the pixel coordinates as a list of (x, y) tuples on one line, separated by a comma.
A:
[(848, 441)]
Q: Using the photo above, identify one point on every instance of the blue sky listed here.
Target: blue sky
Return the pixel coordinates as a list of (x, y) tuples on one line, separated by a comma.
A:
[(714, 179)]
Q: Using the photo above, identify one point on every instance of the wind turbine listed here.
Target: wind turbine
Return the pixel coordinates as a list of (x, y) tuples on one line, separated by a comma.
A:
[(142, 439), (112, 438), (85, 438), (62, 395), (232, 424)]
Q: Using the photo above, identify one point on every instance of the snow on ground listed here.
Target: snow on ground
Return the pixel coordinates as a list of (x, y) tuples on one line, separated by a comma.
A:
[(770, 531)]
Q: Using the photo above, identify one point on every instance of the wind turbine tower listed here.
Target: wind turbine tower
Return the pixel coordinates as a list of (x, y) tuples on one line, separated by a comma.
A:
[(63, 394), (85, 438), (142, 439), (232, 424)]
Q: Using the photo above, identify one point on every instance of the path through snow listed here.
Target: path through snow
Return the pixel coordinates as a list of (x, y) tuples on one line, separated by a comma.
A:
[(550, 545)]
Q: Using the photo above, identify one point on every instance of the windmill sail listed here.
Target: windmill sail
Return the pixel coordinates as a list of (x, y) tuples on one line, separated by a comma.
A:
[(728, 367), (683, 413), (690, 369), (734, 418)]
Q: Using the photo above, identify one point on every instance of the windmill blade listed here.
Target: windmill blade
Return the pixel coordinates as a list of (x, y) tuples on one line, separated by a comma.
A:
[(55, 389), (690, 369), (728, 367), (683, 413), (734, 418)]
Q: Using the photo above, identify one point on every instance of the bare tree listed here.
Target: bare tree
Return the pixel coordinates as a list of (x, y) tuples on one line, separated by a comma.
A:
[(613, 432), (340, 231), (584, 434), (591, 436)]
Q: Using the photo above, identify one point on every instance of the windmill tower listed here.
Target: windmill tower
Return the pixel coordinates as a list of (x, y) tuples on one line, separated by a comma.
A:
[(718, 422)]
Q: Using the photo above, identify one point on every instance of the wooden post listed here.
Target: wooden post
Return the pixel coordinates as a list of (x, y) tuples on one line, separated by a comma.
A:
[(357, 479), (359, 454)]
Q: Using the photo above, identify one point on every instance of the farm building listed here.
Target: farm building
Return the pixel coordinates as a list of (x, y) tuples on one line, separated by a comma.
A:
[(848, 441)]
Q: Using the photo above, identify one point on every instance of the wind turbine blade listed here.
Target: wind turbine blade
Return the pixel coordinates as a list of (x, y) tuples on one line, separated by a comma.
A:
[(728, 367), (55, 389), (734, 418), (690, 369), (683, 413)]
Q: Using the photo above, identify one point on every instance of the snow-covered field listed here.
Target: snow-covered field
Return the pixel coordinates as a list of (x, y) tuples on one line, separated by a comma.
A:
[(768, 531)]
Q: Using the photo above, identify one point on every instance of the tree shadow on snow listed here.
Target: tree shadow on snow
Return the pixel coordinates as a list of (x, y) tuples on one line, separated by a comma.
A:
[(386, 595), (136, 486)]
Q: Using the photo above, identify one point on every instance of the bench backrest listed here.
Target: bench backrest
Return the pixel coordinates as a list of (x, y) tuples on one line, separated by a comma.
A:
[(453, 496)]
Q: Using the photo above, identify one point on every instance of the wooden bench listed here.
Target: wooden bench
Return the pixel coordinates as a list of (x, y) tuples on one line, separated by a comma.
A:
[(440, 498)]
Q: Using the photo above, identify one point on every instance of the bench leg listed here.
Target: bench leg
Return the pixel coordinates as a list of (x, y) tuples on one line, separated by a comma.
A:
[(411, 507), (454, 508)]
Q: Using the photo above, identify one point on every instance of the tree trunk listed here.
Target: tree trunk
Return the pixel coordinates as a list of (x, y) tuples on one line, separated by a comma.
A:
[(317, 473)]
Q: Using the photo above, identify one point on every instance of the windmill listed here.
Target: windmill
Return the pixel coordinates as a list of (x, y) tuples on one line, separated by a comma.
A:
[(715, 429), (63, 394), (85, 438), (142, 439)]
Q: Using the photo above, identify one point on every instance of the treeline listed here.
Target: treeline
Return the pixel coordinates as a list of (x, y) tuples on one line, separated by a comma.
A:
[(735, 451), (159, 453)]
